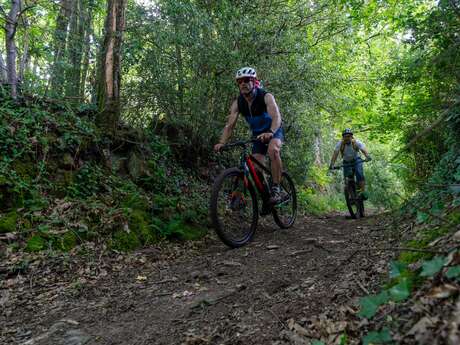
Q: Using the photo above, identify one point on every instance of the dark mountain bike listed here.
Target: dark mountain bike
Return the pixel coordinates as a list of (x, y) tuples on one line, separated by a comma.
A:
[(234, 205), (354, 200)]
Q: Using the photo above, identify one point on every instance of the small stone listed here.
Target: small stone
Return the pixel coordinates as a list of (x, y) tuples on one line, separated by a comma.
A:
[(272, 247), (456, 236), (231, 263)]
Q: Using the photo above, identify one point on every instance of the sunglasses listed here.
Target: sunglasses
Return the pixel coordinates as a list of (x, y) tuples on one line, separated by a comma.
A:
[(244, 80)]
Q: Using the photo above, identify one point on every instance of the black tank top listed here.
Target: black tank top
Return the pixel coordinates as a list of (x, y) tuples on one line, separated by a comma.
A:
[(258, 119), (258, 106)]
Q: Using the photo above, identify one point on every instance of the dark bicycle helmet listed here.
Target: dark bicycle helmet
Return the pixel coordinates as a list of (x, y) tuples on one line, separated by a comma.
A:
[(347, 131)]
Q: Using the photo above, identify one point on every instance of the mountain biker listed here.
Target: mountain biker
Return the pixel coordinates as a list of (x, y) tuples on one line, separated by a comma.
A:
[(261, 112), (349, 148)]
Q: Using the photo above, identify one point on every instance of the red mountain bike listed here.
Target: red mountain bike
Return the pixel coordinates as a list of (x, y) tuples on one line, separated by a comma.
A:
[(234, 205)]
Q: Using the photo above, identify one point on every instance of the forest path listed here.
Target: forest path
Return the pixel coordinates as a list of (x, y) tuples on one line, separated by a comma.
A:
[(258, 294)]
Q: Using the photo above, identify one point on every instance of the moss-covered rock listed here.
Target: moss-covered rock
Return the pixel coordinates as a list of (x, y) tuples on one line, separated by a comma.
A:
[(140, 224), (10, 198), (63, 180), (125, 240), (35, 244), (8, 222), (27, 170), (67, 161), (178, 229), (66, 242)]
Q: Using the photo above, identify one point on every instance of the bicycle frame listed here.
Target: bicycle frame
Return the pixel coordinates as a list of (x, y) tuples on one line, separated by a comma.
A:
[(249, 169)]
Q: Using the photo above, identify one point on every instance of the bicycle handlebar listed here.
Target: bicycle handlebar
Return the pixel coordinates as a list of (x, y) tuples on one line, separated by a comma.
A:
[(349, 165), (241, 143)]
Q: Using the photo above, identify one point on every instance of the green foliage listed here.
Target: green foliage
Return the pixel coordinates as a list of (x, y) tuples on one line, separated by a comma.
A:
[(125, 240), (314, 202), (8, 222), (397, 269), (67, 241), (431, 267), (370, 304), (317, 342), (453, 272), (35, 244), (401, 291), (176, 228), (410, 257), (61, 164), (423, 239)]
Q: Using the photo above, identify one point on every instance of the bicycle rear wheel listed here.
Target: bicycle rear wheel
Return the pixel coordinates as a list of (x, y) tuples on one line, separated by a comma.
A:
[(353, 201), (285, 212), (361, 207), (234, 211)]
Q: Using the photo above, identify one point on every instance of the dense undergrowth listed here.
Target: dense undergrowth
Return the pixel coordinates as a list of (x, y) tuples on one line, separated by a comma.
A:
[(63, 182)]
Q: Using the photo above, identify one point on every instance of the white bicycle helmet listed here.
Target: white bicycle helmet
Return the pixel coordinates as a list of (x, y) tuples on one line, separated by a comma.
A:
[(246, 72)]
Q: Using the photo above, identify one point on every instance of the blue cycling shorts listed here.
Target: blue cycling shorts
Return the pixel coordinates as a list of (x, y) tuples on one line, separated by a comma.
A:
[(357, 164), (262, 148)]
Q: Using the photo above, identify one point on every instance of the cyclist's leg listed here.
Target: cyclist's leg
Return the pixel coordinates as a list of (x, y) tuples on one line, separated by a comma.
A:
[(259, 151), (359, 171), (274, 152)]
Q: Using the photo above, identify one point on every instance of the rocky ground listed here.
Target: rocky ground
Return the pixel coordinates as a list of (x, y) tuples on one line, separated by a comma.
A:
[(287, 287)]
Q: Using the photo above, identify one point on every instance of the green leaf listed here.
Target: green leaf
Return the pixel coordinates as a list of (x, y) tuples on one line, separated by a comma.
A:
[(343, 339), (457, 176), (422, 217), (396, 269), (370, 304), (382, 337), (431, 267), (453, 272), (401, 291), (438, 207), (43, 229), (317, 342), (455, 189)]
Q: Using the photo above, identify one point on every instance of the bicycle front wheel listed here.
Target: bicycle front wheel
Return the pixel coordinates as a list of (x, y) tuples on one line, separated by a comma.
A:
[(353, 202), (234, 208), (285, 212)]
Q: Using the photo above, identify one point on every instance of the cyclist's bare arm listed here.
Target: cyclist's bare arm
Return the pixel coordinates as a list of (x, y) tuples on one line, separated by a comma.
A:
[(334, 158), (273, 111), (230, 125), (366, 153)]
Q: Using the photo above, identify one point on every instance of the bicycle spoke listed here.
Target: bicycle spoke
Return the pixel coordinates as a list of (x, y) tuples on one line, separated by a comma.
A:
[(235, 209), (285, 212)]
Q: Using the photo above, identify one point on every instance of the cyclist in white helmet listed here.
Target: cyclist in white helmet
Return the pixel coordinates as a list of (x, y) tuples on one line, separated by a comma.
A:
[(350, 148), (261, 112)]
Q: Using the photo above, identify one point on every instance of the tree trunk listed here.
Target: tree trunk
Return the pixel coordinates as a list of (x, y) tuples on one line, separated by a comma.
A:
[(59, 45), (10, 43), (108, 90), (180, 73), (317, 149), (3, 74), (75, 49), (87, 47), (25, 53)]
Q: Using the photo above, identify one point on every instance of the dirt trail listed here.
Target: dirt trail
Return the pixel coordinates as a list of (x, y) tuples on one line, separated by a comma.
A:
[(252, 295)]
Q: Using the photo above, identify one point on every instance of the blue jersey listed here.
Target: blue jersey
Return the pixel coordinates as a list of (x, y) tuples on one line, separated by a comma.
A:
[(257, 116)]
